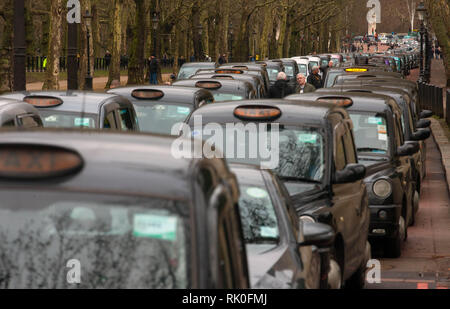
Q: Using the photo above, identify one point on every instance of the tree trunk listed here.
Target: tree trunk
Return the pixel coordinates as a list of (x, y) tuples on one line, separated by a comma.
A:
[(6, 48), (54, 47), (114, 68), (136, 68), (82, 67), (283, 21)]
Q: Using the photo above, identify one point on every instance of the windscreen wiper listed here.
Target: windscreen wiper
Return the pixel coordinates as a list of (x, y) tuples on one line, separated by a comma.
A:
[(370, 149), (288, 178)]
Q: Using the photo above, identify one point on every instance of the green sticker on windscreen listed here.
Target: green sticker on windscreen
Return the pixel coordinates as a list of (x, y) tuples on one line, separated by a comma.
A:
[(267, 231), (157, 227), (256, 193), (82, 122), (308, 138), (183, 110), (375, 120)]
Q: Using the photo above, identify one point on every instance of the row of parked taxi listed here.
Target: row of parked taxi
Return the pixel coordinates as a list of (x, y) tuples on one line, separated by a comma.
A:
[(137, 212)]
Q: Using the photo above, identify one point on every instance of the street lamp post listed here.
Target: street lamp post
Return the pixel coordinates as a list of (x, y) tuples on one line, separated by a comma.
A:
[(155, 24), (421, 10), (88, 85), (72, 63), (231, 42), (200, 45), (19, 78)]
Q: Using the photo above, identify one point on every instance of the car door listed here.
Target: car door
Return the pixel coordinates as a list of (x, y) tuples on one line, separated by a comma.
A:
[(349, 209)]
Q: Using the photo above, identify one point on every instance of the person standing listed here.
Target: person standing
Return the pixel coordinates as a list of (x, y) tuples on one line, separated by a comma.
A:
[(302, 85), (153, 70), (314, 78), (281, 88), (222, 59), (108, 57)]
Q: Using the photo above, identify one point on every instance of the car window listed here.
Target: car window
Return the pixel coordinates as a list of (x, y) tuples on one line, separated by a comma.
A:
[(9, 123), (160, 118), (119, 242), (259, 220), (273, 73), (220, 97), (30, 121), (339, 159), (289, 70), (125, 119), (60, 119), (371, 132)]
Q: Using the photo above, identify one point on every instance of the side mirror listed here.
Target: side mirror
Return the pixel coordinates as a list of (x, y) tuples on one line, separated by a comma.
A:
[(351, 173), (425, 114), (317, 234), (408, 149), (423, 124), (421, 135)]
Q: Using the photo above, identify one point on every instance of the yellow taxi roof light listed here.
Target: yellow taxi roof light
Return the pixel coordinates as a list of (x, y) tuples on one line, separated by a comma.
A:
[(356, 70), (28, 162), (257, 112), (43, 101), (147, 94)]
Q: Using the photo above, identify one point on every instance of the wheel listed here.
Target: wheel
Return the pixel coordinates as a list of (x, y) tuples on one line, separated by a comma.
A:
[(393, 247), (334, 276)]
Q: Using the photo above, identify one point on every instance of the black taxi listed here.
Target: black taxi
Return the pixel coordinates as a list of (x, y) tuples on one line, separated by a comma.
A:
[(81, 109), (190, 68), (381, 147), (276, 240), (256, 81), (14, 113), (114, 210), (258, 69), (299, 142), (222, 89), (334, 72), (159, 108)]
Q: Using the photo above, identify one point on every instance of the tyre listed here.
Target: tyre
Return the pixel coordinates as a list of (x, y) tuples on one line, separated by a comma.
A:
[(393, 248), (358, 279), (415, 207)]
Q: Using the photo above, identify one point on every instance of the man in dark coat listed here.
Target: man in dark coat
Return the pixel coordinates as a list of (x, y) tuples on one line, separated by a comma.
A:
[(314, 78), (281, 88), (153, 70), (302, 85)]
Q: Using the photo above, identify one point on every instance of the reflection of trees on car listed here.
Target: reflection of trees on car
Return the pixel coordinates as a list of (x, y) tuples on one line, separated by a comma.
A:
[(35, 248)]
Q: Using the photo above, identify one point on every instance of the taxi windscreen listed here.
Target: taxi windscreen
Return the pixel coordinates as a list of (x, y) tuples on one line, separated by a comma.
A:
[(160, 118), (187, 72), (371, 135), (220, 97), (54, 119), (54, 240), (303, 69), (273, 73), (298, 153), (289, 70)]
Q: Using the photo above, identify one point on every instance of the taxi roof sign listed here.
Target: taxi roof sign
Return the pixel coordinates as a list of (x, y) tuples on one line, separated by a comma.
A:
[(339, 101), (32, 162), (356, 70), (43, 101), (229, 71), (208, 85), (260, 112), (147, 94)]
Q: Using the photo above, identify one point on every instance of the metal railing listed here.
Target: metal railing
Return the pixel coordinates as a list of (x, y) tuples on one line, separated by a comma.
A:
[(432, 98)]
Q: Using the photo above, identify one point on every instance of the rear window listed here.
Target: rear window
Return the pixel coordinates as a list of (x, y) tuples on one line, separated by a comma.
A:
[(219, 97), (54, 119), (160, 118), (371, 133), (54, 240)]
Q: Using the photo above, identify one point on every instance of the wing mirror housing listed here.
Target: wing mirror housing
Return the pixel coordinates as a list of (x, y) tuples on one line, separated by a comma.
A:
[(425, 114), (317, 234), (408, 149), (423, 124), (351, 173), (421, 135)]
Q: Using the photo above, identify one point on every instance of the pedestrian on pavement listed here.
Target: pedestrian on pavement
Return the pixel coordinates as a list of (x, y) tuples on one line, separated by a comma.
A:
[(181, 61), (302, 85), (153, 70), (222, 59), (108, 57), (438, 53), (314, 78), (281, 88)]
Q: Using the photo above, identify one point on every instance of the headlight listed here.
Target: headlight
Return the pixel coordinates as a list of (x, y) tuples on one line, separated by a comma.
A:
[(382, 188), (306, 218)]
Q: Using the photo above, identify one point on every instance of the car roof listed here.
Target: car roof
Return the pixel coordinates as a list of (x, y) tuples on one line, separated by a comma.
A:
[(6, 102), (115, 162), (362, 101), (172, 94), (199, 64), (227, 85), (293, 112), (73, 101), (375, 88)]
